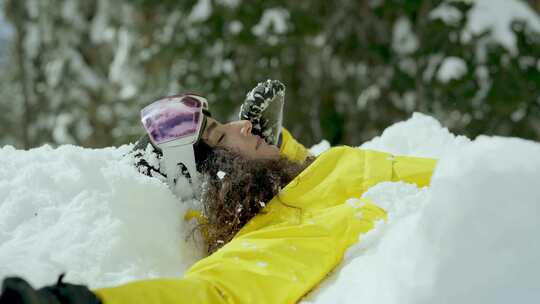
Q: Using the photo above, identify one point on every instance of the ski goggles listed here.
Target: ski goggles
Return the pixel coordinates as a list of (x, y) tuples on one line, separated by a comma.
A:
[(175, 124)]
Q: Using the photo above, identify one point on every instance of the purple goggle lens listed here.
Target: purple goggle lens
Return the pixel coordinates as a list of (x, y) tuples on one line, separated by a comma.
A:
[(172, 118)]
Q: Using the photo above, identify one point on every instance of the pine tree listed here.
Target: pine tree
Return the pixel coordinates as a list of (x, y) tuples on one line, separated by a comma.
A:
[(81, 70)]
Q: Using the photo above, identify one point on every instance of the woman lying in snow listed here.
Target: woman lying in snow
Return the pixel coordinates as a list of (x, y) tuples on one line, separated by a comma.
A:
[(281, 218), (243, 163)]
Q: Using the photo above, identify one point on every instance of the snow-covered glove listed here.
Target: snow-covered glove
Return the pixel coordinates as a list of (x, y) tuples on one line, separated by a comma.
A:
[(263, 107)]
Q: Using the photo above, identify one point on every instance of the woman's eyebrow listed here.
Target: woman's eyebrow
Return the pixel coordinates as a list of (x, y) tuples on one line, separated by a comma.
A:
[(221, 138)]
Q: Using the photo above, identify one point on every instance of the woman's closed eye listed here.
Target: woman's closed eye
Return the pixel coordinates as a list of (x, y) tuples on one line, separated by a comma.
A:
[(221, 137)]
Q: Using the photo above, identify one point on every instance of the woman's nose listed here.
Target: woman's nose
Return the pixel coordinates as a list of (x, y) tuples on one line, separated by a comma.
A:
[(246, 127)]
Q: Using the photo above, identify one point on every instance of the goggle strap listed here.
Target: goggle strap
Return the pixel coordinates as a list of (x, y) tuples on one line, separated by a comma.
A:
[(174, 157)]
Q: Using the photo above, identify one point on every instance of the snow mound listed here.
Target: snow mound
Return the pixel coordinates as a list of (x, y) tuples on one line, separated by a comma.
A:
[(468, 238), (481, 223), (319, 148), (421, 135), (89, 213)]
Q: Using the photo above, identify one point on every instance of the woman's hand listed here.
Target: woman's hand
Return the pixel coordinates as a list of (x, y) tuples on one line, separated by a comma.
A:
[(263, 107)]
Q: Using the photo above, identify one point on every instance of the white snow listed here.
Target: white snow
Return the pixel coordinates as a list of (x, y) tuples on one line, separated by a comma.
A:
[(373, 92), (100, 30), (229, 3), (447, 13), (90, 213), (273, 18), (497, 16), (60, 131), (355, 203), (419, 136), (451, 68), (53, 71), (235, 26), (404, 41), (86, 75), (320, 147), (468, 238), (32, 40), (119, 71), (221, 174), (200, 11)]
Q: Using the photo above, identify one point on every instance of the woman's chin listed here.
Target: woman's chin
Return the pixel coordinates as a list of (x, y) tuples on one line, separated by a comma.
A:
[(269, 151)]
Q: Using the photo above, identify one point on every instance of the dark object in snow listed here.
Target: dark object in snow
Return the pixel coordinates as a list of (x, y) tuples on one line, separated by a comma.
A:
[(16, 290)]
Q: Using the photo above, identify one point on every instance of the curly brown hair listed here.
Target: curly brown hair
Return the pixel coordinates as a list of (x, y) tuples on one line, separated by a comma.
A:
[(235, 189)]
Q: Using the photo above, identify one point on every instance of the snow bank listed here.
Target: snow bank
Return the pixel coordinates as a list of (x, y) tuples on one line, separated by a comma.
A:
[(419, 136), (87, 212), (482, 222), (468, 238)]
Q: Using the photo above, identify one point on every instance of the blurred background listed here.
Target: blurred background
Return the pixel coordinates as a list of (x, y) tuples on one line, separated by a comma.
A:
[(79, 71)]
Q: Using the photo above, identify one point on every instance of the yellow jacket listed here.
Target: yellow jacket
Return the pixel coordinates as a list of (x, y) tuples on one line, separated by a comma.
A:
[(301, 235)]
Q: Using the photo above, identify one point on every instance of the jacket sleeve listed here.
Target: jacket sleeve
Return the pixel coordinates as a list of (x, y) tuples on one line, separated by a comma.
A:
[(303, 233), (291, 148)]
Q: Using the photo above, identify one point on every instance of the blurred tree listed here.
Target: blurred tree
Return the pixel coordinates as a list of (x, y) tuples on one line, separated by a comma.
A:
[(352, 67), (535, 4)]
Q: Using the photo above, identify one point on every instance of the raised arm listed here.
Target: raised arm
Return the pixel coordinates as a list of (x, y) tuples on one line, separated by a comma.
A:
[(263, 107), (291, 148)]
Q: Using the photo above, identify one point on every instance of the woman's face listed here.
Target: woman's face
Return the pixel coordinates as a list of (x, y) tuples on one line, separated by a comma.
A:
[(237, 136)]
